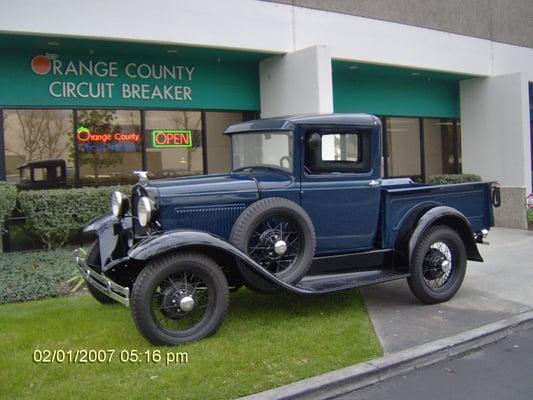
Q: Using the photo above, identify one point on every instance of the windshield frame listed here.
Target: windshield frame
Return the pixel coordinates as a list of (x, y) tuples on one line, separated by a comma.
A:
[(291, 153)]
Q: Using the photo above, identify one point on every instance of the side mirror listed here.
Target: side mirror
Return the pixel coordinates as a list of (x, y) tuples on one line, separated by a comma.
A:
[(314, 141)]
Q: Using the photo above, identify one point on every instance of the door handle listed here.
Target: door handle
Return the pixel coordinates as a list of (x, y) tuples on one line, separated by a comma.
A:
[(374, 183)]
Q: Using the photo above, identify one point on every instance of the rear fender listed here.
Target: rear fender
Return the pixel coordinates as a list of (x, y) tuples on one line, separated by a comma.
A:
[(447, 216), (208, 243)]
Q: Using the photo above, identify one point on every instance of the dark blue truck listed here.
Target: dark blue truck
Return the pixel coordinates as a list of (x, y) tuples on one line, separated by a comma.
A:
[(305, 209)]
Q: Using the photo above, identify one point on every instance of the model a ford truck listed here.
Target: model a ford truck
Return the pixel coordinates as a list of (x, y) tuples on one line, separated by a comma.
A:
[(304, 209)]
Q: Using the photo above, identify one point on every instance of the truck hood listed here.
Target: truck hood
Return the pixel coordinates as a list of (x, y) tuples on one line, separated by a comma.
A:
[(206, 189), (211, 202)]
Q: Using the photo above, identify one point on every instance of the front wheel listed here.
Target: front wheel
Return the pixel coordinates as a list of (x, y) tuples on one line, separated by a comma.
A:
[(179, 298), (438, 265)]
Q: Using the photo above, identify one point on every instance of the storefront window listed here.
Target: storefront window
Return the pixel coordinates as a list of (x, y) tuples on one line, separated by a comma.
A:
[(34, 135), (174, 143), (403, 147), (218, 146), (440, 147), (109, 143)]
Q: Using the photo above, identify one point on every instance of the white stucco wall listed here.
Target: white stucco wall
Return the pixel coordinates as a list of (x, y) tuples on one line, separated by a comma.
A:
[(297, 83), (495, 129), (264, 26)]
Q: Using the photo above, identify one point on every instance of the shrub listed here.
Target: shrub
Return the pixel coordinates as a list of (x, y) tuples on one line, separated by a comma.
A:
[(54, 214), (453, 178), (35, 275), (530, 215), (8, 199)]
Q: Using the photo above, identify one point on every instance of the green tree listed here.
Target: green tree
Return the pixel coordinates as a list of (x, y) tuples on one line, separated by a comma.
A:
[(100, 155)]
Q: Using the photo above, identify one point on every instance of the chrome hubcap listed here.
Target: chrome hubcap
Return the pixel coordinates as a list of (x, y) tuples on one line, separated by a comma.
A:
[(187, 303), (280, 247)]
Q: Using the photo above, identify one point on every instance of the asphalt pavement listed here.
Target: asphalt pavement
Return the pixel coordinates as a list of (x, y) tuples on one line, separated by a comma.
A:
[(501, 370), (495, 289)]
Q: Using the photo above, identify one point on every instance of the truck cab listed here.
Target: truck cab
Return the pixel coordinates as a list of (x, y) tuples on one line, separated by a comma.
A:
[(304, 209)]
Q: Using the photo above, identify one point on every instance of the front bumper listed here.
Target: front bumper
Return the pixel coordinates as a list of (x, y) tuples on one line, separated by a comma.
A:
[(101, 282)]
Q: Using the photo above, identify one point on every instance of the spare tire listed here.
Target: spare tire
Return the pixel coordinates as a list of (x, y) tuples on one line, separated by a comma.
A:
[(279, 235)]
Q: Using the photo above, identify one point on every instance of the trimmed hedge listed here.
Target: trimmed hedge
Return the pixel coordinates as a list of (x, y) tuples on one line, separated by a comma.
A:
[(35, 275), (8, 200), (54, 214), (530, 215), (453, 178)]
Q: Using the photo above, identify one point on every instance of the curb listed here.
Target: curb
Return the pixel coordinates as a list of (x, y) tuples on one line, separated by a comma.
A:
[(355, 377)]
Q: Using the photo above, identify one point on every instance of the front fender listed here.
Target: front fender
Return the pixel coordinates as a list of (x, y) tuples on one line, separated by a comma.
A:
[(100, 222), (171, 241), (443, 215)]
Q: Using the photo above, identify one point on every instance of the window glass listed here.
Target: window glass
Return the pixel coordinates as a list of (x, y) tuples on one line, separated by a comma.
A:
[(439, 147), (109, 143), (32, 135), (403, 150), (174, 143), (340, 147), (266, 149), (218, 145)]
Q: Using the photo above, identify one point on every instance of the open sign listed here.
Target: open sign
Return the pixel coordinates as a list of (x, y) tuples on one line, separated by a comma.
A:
[(171, 138)]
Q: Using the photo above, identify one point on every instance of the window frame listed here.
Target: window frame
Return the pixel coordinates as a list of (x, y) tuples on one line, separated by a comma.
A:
[(339, 168), (142, 111)]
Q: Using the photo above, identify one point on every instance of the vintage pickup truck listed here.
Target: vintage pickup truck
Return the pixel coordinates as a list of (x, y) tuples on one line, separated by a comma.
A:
[(305, 209)]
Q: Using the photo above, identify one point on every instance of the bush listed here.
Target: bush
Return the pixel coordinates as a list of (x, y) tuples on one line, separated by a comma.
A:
[(8, 200), (453, 178), (54, 214), (530, 215), (35, 275)]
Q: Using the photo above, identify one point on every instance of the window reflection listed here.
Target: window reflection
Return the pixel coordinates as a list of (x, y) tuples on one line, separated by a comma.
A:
[(109, 143), (173, 157), (439, 147), (32, 135), (403, 138)]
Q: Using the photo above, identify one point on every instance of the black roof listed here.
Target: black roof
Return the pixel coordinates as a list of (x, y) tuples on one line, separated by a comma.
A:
[(43, 163), (289, 122)]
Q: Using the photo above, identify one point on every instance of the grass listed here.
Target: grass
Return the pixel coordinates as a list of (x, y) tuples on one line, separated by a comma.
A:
[(265, 341)]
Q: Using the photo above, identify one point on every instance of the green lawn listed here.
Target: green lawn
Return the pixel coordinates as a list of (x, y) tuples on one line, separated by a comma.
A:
[(265, 341)]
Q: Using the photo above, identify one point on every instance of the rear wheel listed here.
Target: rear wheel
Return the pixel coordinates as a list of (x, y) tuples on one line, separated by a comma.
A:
[(179, 298), (93, 258), (438, 265)]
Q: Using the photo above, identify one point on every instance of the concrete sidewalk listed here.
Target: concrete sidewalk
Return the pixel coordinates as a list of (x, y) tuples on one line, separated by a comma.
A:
[(499, 287)]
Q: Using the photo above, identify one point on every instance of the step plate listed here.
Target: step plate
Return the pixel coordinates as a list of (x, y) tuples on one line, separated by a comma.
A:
[(344, 281)]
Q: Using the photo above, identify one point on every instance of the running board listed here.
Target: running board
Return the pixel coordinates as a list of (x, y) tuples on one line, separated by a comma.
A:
[(318, 284)]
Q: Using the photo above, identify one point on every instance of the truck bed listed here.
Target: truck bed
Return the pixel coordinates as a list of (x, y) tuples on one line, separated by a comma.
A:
[(401, 201)]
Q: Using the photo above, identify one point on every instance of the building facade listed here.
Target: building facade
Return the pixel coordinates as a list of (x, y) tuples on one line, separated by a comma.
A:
[(112, 87)]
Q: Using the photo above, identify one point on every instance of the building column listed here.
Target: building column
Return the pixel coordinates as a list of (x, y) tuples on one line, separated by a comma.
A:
[(297, 83), (496, 140)]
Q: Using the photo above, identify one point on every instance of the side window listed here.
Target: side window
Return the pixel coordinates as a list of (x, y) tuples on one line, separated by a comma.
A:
[(340, 147), (331, 151)]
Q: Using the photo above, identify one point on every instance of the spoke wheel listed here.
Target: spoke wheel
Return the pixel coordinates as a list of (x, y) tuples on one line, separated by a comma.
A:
[(179, 298), (276, 243), (181, 301), (279, 236), (438, 265)]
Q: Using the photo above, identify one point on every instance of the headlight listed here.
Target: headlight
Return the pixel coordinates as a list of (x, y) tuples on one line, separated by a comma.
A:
[(145, 209), (119, 204)]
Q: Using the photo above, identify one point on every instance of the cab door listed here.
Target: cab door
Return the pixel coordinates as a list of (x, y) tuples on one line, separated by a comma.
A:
[(340, 186)]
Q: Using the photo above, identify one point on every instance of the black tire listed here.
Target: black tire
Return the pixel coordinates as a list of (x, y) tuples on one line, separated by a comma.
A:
[(170, 270), (251, 218), (93, 258), (430, 281)]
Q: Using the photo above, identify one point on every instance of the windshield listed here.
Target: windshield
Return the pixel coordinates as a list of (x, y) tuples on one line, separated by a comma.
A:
[(263, 149)]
